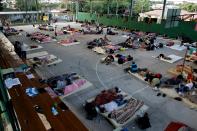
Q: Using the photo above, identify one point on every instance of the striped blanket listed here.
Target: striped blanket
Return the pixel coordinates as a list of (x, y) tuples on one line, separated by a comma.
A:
[(123, 114)]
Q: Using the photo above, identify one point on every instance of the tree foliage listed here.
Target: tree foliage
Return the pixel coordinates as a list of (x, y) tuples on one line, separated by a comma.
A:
[(27, 5), (142, 6), (115, 6), (191, 7)]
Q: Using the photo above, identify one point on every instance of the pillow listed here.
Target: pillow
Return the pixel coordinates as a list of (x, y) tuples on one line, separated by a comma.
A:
[(109, 107)]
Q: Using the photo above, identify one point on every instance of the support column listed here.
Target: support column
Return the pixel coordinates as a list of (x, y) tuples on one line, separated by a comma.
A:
[(131, 8), (164, 7), (91, 6), (117, 7), (77, 9), (108, 10)]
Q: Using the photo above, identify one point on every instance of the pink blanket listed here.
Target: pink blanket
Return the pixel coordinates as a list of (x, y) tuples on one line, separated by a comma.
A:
[(76, 85)]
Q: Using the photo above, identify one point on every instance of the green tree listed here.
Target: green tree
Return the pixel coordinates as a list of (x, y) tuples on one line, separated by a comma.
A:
[(27, 5), (142, 6), (191, 7)]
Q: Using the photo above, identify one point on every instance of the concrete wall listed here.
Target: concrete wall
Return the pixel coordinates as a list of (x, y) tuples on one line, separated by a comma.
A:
[(186, 28)]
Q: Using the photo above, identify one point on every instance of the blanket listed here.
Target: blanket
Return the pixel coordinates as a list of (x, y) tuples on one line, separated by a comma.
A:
[(123, 114), (76, 85), (99, 50)]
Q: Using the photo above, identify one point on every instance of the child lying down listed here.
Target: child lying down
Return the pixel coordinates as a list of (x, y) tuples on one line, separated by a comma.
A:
[(162, 56), (121, 59)]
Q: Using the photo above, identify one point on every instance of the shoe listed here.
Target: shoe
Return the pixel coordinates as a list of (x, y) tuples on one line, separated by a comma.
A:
[(158, 94)]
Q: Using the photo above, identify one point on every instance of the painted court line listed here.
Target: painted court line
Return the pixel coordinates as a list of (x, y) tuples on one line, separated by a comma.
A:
[(140, 90), (102, 83)]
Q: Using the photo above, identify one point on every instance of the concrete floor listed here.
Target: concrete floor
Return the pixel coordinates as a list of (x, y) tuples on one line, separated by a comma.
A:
[(79, 59)]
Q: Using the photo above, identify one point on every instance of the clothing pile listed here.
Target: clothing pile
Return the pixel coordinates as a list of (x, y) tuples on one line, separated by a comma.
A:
[(31, 91)]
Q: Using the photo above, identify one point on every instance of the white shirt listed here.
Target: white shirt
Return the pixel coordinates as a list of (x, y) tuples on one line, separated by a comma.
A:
[(190, 85)]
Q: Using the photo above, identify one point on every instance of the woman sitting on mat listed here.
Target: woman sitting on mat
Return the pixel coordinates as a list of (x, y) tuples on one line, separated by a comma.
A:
[(134, 67), (109, 31), (99, 31), (127, 44), (109, 59)]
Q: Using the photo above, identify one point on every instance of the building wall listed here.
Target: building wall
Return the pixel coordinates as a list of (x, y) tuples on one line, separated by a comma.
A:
[(185, 27)]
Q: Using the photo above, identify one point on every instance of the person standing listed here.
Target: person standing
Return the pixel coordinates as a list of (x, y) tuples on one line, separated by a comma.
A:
[(23, 51)]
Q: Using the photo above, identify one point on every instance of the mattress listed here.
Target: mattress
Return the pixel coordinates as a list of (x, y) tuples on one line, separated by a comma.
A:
[(37, 54), (32, 49), (174, 58), (177, 47)]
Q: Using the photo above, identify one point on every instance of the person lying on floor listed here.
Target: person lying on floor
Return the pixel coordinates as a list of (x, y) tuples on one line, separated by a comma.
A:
[(105, 101), (162, 56), (109, 59), (95, 43), (149, 76), (121, 59), (174, 80), (185, 88)]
